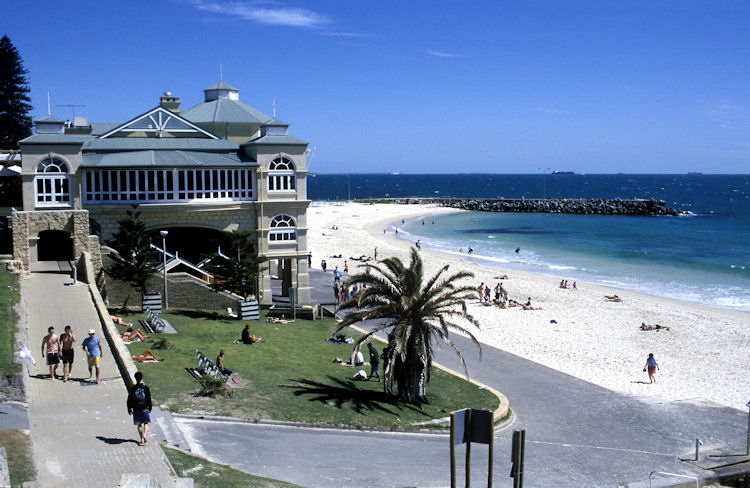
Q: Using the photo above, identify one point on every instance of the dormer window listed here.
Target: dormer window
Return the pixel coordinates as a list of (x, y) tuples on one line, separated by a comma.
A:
[(51, 183), (281, 176), (283, 229)]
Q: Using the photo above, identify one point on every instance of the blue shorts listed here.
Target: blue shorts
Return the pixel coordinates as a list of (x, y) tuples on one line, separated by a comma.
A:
[(141, 417)]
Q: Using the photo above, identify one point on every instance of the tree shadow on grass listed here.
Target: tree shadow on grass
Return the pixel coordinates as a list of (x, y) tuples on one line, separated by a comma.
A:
[(202, 314), (346, 393)]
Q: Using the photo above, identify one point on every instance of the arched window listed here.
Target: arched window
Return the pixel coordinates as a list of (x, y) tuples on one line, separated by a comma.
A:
[(283, 228), (281, 176), (51, 183)]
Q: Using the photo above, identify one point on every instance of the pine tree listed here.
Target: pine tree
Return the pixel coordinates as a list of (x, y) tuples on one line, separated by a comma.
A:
[(132, 263), (238, 272), (15, 123)]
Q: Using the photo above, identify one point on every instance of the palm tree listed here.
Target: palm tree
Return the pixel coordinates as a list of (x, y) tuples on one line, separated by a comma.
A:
[(418, 313)]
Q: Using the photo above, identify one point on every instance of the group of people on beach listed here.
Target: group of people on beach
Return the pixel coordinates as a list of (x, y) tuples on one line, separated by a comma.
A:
[(501, 297), (564, 285), (60, 348)]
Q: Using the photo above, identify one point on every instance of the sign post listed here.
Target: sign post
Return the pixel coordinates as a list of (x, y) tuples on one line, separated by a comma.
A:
[(467, 426), (519, 439)]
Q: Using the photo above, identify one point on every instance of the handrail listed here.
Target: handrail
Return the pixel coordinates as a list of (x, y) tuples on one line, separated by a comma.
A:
[(697, 481)]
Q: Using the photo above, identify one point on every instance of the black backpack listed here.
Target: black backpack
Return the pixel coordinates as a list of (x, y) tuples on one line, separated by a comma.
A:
[(139, 396)]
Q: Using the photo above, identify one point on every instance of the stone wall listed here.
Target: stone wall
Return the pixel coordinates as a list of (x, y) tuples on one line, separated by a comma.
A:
[(28, 225), (602, 206)]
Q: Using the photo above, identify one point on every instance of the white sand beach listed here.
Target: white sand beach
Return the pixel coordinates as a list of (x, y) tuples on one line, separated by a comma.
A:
[(704, 357)]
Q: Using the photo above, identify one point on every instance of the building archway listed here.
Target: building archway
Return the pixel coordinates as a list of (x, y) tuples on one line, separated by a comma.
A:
[(54, 245)]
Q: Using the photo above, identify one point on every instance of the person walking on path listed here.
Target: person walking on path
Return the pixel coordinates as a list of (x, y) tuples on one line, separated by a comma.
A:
[(92, 346), (651, 366), (67, 340), (51, 350), (374, 361), (139, 405)]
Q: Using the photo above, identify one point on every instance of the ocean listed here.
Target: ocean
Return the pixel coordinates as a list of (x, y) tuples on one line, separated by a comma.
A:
[(700, 257)]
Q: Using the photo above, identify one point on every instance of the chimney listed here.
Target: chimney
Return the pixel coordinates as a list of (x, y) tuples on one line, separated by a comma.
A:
[(170, 102)]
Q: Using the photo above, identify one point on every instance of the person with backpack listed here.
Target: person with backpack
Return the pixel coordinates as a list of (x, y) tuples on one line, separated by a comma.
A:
[(139, 405), (374, 362)]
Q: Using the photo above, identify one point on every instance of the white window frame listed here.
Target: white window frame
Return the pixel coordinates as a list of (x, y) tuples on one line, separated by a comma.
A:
[(282, 177), (52, 183), (282, 229)]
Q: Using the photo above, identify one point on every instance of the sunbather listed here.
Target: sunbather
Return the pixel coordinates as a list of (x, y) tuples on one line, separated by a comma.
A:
[(134, 335), (147, 356), (613, 298), (279, 320), (529, 307), (653, 327), (117, 320)]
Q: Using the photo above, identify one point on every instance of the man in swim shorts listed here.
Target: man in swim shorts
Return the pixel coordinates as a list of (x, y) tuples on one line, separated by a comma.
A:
[(51, 350), (67, 340), (92, 346), (139, 405)]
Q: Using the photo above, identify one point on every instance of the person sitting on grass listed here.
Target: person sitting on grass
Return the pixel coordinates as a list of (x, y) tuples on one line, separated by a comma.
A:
[(131, 335), (117, 320), (653, 327), (220, 365), (248, 338), (146, 357), (359, 360)]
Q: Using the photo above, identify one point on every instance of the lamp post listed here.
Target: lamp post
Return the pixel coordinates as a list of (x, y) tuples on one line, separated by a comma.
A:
[(163, 234)]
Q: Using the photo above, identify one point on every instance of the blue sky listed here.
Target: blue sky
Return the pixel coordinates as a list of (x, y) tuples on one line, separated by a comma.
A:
[(641, 86)]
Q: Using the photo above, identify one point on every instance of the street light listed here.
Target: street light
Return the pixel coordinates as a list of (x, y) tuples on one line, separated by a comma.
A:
[(163, 234)]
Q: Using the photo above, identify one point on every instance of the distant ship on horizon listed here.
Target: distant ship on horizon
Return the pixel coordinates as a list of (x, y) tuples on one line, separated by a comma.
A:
[(563, 172)]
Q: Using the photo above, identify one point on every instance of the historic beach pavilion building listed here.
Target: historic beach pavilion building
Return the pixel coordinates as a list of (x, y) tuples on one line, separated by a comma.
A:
[(220, 165)]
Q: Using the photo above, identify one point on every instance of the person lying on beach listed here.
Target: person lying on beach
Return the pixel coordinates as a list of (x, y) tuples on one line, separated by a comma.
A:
[(613, 298), (513, 303), (117, 320), (529, 307), (502, 277), (146, 357), (653, 327), (134, 335)]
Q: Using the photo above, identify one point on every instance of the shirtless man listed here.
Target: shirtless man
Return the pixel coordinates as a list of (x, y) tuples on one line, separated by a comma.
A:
[(51, 350), (67, 340)]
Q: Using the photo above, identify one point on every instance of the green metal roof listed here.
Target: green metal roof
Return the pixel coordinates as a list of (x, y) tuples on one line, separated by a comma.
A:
[(52, 139), (99, 128), (162, 159), (155, 143), (221, 86), (225, 110), (278, 140)]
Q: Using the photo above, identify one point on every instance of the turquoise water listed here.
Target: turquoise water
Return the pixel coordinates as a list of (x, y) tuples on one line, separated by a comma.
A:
[(687, 258), (702, 257)]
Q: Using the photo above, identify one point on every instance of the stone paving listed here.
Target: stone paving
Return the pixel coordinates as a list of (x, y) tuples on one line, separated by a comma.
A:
[(81, 431)]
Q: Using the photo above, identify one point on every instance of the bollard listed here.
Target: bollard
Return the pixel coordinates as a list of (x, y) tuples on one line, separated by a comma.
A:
[(698, 443), (747, 452), (75, 276)]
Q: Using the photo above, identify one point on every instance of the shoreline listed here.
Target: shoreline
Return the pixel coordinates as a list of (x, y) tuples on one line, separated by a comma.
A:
[(592, 339)]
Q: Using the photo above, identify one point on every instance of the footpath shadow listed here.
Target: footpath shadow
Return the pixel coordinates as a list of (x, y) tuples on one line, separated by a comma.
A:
[(116, 440), (347, 394)]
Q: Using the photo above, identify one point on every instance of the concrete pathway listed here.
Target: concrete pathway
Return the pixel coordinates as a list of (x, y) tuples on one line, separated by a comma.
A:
[(81, 432)]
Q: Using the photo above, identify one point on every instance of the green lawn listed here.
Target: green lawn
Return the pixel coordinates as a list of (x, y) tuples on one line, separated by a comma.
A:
[(290, 376), (206, 474), (18, 451), (9, 296)]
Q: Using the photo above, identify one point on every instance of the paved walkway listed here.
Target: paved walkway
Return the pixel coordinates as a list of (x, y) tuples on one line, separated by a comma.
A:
[(81, 431)]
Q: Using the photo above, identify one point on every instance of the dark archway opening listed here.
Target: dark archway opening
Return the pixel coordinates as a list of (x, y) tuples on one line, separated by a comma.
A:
[(54, 245)]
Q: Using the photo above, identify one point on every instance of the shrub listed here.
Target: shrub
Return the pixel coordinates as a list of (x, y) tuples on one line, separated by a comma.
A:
[(214, 386)]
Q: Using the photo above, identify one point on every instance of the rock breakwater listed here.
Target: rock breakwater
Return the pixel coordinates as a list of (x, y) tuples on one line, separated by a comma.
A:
[(600, 206)]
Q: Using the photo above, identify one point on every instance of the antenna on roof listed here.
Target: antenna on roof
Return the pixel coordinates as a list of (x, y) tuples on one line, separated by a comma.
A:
[(274, 107), (221, 72), (48, 109), (73, 106)]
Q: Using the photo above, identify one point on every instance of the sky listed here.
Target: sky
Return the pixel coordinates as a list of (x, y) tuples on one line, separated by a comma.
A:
[(637, 86)]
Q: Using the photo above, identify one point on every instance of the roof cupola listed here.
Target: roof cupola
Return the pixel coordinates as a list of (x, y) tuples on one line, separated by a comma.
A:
[(49, 125), (221, 90)]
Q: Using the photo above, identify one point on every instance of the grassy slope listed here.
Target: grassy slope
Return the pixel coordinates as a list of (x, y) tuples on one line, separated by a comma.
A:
[(290, 376), (9, 296), (18, 450), (211, 475)]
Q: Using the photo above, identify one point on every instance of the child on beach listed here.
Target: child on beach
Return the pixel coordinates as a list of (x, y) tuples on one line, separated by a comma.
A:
[(651, 366)]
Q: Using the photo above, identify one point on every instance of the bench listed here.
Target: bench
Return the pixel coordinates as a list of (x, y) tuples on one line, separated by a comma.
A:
[(206, 367), (154, 322)]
